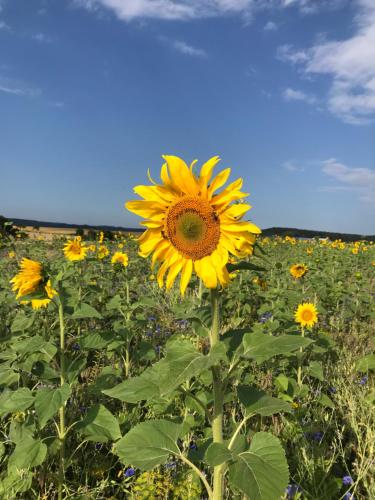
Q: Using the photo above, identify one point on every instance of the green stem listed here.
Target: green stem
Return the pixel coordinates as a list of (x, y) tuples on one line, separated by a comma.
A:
[(62, 432), (299, 371), (217, 417)]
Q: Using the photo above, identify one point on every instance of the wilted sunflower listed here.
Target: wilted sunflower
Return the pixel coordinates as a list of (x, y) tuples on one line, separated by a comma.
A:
[(306, 314), (120, 258), (75, 249), (102, 252), (28, 279), (189, 226), (39, 303), (298, 270)]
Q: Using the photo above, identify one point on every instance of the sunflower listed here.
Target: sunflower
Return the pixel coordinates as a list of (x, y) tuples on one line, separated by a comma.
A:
[(189, 227), (28, 279), (102, 252), (39, 303), (298, 270), (101, 237), (306, 314), (120, 258), (75, 249)]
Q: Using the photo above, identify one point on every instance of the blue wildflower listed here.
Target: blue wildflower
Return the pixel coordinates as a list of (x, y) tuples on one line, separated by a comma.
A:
[(170, 465), (151, 318), (265, 317), (292, 490), (363, 380), (129, 472), (332, 390), (347, 480), (317, 436), (76, 347), (193, 446), (348, 496)]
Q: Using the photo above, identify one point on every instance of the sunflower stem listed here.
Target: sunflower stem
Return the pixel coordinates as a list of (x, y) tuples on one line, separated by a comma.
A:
[(62, 432), (299, 371), (217, 417)]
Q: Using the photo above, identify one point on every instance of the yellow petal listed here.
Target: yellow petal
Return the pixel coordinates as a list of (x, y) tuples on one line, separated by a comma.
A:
[(235, 211), (173, 272), (145, 209), (186, 275), (240, 227), (218, 182), (181, 175), (206, 271)]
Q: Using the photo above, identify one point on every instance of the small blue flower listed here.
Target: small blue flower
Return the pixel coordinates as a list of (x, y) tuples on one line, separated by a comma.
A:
[(83, 409), (170, 465), (363, 380), (348, 496), (347, 480), (98, 446), (317, 436), (193, 446), (265, 317), (151, 318), (292, 490), (129, 472), (76, 347), (332, 390)]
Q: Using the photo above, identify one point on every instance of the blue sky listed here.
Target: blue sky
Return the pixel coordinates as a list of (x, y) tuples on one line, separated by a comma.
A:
[(93, 92)]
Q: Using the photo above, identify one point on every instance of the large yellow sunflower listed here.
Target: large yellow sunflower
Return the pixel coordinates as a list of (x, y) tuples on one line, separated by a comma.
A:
[(190, 226), (298, 270), (28, 279), (306, 314), (75, 249)]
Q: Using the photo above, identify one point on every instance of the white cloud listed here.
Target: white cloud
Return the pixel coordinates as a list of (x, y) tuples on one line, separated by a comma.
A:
[(18, 88), (128, 10), (292, 167), (351, 65), (297, 95), (4, 25), (357, 179), (41, 37), (187, 49), (270, 26)]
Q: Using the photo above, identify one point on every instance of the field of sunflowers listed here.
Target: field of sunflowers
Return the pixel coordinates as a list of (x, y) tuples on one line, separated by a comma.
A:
[(250, 376)]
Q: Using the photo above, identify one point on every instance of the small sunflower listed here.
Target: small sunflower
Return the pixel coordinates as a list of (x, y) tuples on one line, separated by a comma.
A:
[(101, 237), (75, 250), (306, 314), (28, 279), (298, 270), (189, 227), (102, 252), (120, 258)]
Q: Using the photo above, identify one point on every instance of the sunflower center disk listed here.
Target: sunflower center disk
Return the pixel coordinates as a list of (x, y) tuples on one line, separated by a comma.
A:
[(192, 227), (307, 315)]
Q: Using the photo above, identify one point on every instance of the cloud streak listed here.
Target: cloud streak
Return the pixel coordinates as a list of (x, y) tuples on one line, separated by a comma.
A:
[(357, 179), (350, 64)]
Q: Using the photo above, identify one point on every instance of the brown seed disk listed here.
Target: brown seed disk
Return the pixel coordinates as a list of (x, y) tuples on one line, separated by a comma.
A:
[(192, 227)]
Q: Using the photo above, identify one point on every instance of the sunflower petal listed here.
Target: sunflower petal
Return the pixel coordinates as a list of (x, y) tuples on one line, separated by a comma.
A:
[(187, 270)]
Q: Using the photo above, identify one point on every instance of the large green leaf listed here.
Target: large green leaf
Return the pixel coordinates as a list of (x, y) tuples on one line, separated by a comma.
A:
[(144, 387), (28, 453), (185, 362), (49, 401), (244, 266), (99, 425), (182, 362), (217, 453), (366, 363), (96, 340), (260, 403), (19, 400), (261, 347), (261, 472), (149, 444), (83, 310)]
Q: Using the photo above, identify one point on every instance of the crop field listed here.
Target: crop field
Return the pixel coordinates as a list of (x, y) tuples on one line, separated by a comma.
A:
[(113, 387)]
